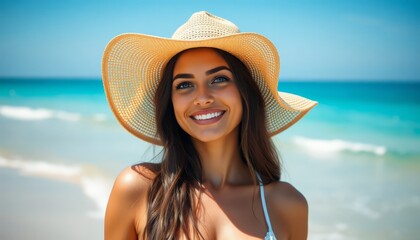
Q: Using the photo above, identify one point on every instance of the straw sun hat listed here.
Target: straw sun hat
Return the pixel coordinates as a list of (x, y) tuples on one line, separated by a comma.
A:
[(132, 67)]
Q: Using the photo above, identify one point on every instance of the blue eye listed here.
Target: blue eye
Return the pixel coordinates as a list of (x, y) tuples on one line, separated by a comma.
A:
[(184, 85), (220, 79)]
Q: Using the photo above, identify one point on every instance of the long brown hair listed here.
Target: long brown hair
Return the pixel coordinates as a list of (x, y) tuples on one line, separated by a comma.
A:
[(173, 203)]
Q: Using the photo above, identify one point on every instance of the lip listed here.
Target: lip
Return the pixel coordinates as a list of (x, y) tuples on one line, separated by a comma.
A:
[(217, 115)]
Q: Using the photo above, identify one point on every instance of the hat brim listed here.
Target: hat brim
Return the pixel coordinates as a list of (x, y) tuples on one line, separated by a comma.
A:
[(133, 64)]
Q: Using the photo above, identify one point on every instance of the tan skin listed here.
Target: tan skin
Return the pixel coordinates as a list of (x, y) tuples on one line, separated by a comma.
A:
[(229, 198)]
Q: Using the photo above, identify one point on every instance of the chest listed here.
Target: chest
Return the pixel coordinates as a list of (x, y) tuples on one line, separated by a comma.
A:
[(232, 216)]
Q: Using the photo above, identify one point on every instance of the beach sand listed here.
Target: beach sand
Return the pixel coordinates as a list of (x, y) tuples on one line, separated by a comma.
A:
[(39, 208)]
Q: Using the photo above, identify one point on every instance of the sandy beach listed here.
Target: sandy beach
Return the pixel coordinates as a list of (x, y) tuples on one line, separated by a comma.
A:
[(38, 208)]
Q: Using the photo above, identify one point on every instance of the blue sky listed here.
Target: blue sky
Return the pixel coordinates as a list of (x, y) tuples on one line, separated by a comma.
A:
[(317, 40)]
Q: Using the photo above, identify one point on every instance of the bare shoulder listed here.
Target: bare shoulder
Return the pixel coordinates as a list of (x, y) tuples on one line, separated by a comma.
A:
[(135, 180), (286, 193), (290, 208), (128, 198)]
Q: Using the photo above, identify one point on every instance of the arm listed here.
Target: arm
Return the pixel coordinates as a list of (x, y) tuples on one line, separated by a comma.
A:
[(291, 210), (299, 218), (127, 199)]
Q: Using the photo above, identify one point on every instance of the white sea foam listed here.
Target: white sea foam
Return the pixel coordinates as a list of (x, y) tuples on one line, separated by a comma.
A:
[(97, 189), (72, 117), (23, 113), (95, 186), (37, 168), (99, 117), (334, 146), (36, 114)]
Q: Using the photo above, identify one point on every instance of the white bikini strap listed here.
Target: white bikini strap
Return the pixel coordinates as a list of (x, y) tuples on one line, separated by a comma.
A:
[(267, 218)]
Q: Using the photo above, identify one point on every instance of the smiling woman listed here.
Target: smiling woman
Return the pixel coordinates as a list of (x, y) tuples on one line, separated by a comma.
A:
[(209, 97)]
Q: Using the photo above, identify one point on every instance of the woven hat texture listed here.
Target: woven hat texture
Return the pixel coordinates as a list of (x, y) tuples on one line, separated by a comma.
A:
[(133, 64)]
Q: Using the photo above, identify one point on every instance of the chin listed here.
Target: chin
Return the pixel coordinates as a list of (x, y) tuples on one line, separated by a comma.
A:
[(214, 136), (206, 139)]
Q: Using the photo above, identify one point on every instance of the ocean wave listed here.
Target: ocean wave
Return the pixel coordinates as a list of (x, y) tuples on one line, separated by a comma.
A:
[(95, 186), (99, 117), (38, 168), (36, 114), (335, 146), (23, 113)]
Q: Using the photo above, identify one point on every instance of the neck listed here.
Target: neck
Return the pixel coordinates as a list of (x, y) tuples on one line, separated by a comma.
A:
[(222, 164)]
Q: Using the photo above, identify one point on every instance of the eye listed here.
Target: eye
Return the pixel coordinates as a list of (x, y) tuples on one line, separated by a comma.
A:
[(184, 85), (220, 79)]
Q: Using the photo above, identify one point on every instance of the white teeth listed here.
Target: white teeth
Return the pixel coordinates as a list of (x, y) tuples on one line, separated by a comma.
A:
[(207, 116)]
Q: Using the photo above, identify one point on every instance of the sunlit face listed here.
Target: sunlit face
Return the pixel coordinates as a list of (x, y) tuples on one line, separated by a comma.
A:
[(206, 100)]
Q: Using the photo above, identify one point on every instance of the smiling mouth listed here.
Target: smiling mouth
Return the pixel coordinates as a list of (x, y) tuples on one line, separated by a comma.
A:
[(207, 116)]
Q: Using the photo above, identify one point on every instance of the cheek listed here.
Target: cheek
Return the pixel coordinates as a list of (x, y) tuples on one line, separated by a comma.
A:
[(179, 106), (239, 111), (234, 98)]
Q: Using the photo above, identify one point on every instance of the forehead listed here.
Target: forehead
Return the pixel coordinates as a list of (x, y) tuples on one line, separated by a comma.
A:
[(198, 59)]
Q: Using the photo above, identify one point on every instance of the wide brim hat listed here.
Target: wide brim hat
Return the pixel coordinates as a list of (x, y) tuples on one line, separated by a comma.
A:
[(133, 64)]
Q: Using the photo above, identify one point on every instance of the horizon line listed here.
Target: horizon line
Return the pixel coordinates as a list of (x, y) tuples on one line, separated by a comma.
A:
[(292, 79)]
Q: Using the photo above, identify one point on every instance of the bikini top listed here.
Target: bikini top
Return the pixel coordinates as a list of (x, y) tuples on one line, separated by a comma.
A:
[(270, 233)]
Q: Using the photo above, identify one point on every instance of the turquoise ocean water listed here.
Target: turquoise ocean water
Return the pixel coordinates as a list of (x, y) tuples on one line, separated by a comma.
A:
[(356, 156)]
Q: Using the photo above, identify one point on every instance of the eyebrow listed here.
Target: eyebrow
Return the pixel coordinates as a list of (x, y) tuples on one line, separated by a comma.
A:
[(211, 71), (216, 69)]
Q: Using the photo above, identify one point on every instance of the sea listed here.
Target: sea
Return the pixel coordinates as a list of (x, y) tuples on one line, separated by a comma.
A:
[(355, 157)]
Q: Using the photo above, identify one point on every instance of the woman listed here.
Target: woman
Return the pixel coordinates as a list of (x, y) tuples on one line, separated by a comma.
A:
[(209, 97)]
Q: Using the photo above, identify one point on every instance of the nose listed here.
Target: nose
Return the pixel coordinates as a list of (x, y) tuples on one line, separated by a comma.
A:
[(203, 97)]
